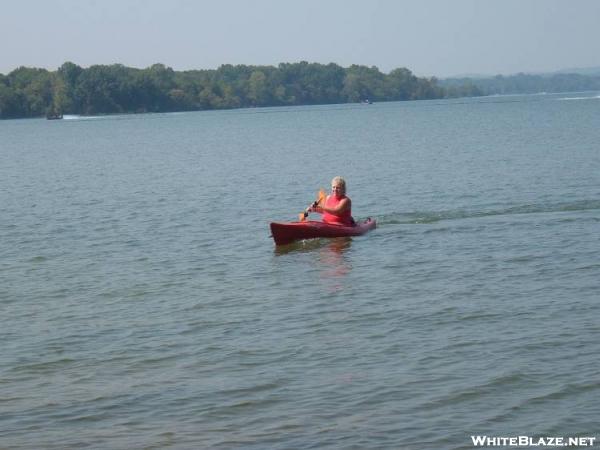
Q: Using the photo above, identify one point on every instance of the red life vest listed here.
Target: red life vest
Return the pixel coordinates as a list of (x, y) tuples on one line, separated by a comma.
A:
[(344, 218)]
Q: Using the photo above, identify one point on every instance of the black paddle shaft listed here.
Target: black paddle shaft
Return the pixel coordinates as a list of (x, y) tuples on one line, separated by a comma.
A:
[(314, 205)]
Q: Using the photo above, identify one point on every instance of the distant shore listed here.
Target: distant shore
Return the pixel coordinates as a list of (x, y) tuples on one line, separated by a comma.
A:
[(117, 89), (109, 89)]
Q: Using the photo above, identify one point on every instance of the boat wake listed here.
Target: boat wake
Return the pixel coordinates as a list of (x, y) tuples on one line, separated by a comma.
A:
[(429, 217), (594, 97), (76, 117)]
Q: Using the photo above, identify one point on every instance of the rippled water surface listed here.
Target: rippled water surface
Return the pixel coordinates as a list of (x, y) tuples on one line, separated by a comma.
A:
[(144, 305)]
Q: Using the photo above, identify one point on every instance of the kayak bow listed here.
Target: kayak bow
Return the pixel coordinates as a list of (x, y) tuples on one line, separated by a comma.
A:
[(287, 232)]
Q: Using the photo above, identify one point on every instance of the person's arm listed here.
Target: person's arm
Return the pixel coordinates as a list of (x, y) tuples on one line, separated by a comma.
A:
[(342, 206)]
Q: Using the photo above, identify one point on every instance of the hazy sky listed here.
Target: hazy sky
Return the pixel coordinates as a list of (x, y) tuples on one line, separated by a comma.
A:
[(430, 37)]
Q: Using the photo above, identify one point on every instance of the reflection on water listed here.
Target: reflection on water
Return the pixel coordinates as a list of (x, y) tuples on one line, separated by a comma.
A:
[(333, 265), (338, 245)]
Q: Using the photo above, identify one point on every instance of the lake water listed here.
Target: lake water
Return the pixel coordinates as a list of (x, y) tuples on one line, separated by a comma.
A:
[(144, 305)]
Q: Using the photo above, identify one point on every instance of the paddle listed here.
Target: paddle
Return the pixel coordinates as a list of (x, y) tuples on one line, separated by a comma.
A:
[(322, 195)]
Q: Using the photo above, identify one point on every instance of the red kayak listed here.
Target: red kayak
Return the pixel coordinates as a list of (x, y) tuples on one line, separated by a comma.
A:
[(285, 233)]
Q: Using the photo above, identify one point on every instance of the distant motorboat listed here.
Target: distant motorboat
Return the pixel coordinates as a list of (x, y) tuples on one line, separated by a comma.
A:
[(366, 101), (53, 113)]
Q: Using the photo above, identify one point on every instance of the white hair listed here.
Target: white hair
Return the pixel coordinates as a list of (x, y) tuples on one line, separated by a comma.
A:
[(340, 182)]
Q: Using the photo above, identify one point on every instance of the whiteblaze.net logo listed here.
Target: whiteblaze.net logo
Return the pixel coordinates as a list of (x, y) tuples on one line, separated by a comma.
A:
[(528, 441)]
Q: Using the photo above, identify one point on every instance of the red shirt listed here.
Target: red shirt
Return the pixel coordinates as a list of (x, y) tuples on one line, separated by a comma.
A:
[(344, 218)]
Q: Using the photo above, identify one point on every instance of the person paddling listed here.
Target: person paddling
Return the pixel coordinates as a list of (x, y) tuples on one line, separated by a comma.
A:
[(338, 207)]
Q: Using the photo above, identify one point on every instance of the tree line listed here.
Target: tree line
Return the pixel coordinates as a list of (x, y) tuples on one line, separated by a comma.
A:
[(527, 83), (107, 89)]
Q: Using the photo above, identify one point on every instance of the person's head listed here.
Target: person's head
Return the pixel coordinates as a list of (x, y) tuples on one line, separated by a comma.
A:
[(338, 186)]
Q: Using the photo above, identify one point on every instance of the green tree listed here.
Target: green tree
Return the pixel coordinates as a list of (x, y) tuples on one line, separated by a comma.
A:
[(69, 74), (362, 83), (400, 84), (258, 92), (9, 102)]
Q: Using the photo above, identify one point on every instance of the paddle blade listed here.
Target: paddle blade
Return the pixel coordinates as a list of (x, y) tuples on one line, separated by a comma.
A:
[(321, 199), (322, 196)]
